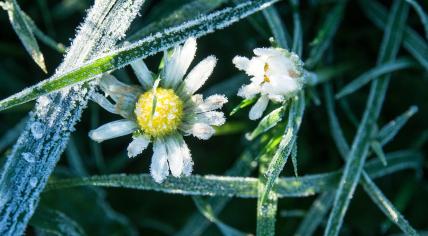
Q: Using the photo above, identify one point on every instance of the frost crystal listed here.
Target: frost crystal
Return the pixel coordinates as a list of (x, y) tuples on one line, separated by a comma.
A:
[(33, 182), (28, 157), (37, 130)]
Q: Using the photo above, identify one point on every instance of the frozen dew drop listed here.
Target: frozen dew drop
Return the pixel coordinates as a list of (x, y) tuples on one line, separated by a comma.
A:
[(33, 181), (28, 157), (37, 130)]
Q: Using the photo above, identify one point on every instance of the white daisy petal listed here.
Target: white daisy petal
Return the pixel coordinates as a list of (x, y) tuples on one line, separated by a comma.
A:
[(159, 169), (215, 118), (112, 130), (267, 52), (176, 66), (137, 146), (175, 156), (187, 158), (241, 62), (104, 103), (257, 110), (198, 75), (211, 103), (202, 131), (144, 75), (249, 90)]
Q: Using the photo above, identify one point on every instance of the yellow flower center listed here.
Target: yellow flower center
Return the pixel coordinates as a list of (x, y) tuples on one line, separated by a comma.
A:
[(159, 113), (266, 78)]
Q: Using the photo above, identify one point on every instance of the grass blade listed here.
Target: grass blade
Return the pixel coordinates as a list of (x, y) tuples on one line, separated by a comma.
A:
[(242, 187), (268, 122), (141, 49), (360, 81), (413, 43), (327, 31), (422, 15), (276, 26), (56, 223), (24, 31), (297, 31), (390, 130)]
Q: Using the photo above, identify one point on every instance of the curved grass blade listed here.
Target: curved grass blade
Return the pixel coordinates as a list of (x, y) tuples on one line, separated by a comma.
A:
[(24, 31), (358, 153), (244, 103), (141, 49), (242, 187), (276, 26), (297, 31), (56, 223), (422, 15), (206, 209), (360, 81)]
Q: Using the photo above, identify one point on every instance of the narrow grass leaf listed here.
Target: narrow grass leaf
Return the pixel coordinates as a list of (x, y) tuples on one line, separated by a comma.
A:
[(326, 33), (294, 159), (242, 187), (268, 122), (276, 26), (244, 103), (297, 29), (24, 31), (390, 130), (378, 150), (140, 49), (388, 67)]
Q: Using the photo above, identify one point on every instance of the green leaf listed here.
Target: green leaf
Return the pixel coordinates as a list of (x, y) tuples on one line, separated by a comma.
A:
[(375, 72), (24, 31), (141, 49), (377, 148), (55, 222), (244, 103), (276, 26), (268, 122)]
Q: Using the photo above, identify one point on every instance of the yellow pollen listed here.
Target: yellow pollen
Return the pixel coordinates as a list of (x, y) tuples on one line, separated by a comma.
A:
[(265, 78), (159, 114)]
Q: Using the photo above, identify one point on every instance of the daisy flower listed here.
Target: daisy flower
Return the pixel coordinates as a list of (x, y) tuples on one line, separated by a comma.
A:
[(276, 74), (162, 110)]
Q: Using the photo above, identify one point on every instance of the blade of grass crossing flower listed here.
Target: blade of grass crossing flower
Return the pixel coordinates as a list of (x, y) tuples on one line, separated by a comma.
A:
[(326, 33), (360, 81), (25, 33), (422, 15), (206, 209), (369, 186), (244, 103), (141, 49), (276, 26), (413, 43), (316, 214), (358, 154)]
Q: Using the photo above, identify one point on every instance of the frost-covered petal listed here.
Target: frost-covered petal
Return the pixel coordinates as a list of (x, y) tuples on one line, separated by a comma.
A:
[(118, 91), (256, 67), (198, 75), (257, 110), (137, 146), (104, 103), (279, 65), (159, 166), (284, 85), (144, 75), (249, 90), (177, 64), (215, 118), (267, 52), (241, 62), (175, 156), (187, 158), (211, 103), (112, 130), (202, 131)]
